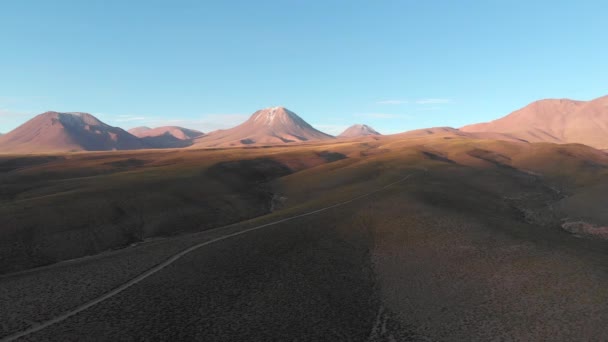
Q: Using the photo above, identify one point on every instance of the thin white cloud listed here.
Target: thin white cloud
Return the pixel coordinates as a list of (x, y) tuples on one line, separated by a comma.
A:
[(392, 102), (426, 109), (379, 115), (330, 129), (128, 118), (10, 119), (5, 113), (205, 123), (433, 101), (15, 100)]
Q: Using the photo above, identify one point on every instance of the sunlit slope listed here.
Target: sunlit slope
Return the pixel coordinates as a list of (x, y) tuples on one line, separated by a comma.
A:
[(67, 132), (270, 126), (555, 120)]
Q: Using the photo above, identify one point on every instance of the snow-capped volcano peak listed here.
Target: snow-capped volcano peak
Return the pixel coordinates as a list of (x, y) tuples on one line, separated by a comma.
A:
[(275, 115), (267, 126)]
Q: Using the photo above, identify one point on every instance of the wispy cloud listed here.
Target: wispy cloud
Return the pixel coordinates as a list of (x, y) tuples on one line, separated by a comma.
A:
[(380, 115), (330, 129), (392, 102), (433, 101), (9, 119), (129, 119), (5, 113), (426, 109), (205, 123), (18, 100), (422, 101)]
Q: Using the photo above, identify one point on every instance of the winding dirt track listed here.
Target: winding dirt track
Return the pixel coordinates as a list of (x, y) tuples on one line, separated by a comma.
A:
[(172, 260)]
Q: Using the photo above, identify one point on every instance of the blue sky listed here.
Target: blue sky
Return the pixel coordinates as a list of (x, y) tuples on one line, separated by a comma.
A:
[(396, 65)]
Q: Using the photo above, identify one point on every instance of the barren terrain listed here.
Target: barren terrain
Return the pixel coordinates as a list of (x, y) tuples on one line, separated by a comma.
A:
[(472, 247)]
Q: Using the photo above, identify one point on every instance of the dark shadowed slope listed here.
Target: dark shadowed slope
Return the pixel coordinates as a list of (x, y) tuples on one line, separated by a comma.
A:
[(358, 130), (559, 121), (62, 132), (166, 136), (274, 125), (180, 133)]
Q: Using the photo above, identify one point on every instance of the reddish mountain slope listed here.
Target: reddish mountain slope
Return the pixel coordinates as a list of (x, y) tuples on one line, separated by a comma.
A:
[(358, 131), (61, 132), (558, 121), (275, 125), (138, 131), (450, 133)]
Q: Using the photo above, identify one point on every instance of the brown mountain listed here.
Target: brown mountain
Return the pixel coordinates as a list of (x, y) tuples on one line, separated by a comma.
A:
[(358, 130), (449, 132), (276, 125), (558, 121), (166, 136), (61, 132), (175, 131)]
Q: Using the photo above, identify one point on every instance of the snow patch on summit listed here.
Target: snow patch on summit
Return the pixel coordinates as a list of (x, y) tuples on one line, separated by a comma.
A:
[(274, 125)]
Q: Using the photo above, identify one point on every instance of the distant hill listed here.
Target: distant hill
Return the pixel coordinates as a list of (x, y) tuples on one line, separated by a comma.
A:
[(557, 121), (137, 131), (450, 132), (358, 130), (274, 125), (62, 132), (166, 136)]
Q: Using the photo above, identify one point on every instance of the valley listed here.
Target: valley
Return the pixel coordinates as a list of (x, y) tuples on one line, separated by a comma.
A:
[(303, 171)]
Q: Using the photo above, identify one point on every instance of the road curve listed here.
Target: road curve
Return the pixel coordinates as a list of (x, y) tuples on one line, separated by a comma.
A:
[(173, 259)]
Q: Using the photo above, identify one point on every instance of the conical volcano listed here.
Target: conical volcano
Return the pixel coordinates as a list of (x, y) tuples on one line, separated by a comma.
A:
[(358, 131), (62, 132), (274, 125)]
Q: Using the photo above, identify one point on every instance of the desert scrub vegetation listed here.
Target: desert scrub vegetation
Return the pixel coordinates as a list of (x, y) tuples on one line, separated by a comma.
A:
[(63, 207)]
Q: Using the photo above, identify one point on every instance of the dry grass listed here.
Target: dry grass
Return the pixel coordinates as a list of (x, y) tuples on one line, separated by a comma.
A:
[(470, 248), (58, 207)]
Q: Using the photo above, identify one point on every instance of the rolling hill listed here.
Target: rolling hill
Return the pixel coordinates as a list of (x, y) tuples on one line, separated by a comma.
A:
[(147, 193), (555, 120), (166, 136), (64, 132), (276, 125)]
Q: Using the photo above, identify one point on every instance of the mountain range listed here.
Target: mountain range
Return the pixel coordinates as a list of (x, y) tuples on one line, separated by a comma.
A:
[(433, 234), (61, 132), (551, 120), (73, 132), (166, 136)]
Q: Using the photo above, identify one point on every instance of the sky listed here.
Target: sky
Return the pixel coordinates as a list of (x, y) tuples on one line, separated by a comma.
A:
[(394, 65)]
